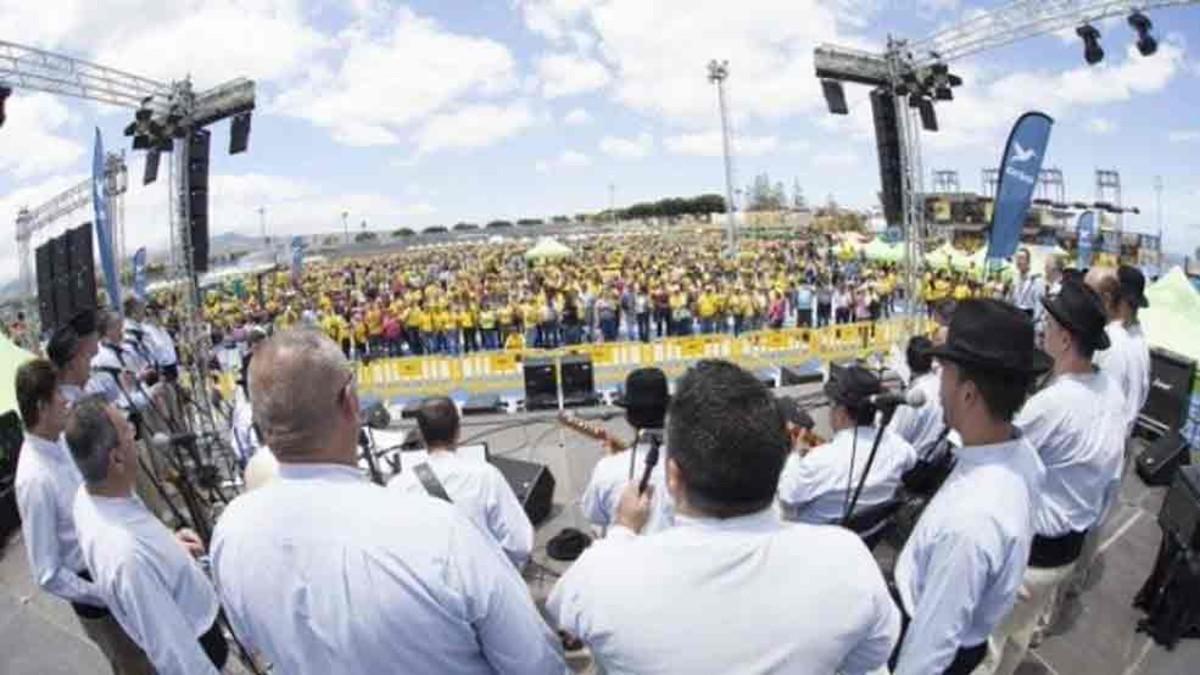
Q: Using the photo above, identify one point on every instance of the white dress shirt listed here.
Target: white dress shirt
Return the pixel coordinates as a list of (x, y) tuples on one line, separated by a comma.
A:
[(959, 572), (1127, 362), (609, 477), (324, 572), (1027, 293), (245, 439), (1076, 426), (152, 586), (105, 382), (748, 595), (480, 492), (157, 344), (46, 482), (814, 488), (921, 426)]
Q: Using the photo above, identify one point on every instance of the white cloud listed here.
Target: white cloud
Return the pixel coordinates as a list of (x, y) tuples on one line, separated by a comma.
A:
[(1184, 136), (1100, 126), (627, 148), (708, 144), (568, 74), (473, 126), (577, 117), (35, 140), (388, 76), (836, 159), (658, 51), (567, 159)]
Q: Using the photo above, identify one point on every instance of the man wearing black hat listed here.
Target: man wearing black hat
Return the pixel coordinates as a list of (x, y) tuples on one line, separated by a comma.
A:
[(1076, 426), (958, 574), (729, 588), (920, 425), (814, 487), (1127, 361), (645, 401)]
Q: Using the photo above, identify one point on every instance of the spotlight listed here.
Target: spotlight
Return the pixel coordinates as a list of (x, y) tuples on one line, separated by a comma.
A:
[(1093, 53), (835, 98), (1146, 43), (4, 94)]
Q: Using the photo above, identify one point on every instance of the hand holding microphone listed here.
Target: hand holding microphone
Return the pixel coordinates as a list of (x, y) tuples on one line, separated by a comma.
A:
[(633, 509), (890, 400)]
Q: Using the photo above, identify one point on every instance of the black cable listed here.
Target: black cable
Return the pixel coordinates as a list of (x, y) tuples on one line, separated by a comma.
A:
[(888, 413)]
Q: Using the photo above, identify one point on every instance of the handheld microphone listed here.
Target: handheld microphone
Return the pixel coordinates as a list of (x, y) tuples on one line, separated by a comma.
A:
[(651, 460), (912, 397)]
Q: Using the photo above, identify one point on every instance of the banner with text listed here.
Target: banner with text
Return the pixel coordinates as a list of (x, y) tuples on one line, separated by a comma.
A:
[(1086, 229), (1019, 168)]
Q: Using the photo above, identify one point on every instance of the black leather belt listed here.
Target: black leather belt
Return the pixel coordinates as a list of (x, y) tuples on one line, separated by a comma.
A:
[(88, 611), (1047, 552), (966, 659)]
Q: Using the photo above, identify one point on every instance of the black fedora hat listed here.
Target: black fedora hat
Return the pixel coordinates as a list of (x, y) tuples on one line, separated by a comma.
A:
[(645, 397), (1133, 285), (993, 335), (1078, 308), (853, 387)]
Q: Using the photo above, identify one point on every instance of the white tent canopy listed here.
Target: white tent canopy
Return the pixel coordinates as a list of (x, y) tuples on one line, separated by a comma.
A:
[(548, 248)]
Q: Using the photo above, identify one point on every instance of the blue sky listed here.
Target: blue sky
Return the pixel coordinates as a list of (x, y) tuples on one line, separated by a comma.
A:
[(432, 112)]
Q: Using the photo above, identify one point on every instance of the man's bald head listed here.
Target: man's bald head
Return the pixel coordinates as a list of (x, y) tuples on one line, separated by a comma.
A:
[(301, 396), (1104, 281)]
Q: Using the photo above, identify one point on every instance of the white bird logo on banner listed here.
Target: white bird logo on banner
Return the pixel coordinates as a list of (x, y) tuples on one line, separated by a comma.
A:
[(1020, 154)]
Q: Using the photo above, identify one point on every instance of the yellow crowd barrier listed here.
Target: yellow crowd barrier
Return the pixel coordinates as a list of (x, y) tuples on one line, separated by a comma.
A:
[(501, 370)]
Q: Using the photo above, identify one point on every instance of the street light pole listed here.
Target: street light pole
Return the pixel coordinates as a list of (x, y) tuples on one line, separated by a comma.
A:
[(1158, 216), (346, 226), (717, 72), (262, 224), (612, 203)]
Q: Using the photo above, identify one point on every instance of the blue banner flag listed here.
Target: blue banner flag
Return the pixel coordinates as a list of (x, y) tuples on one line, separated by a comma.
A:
[(1086, 228), (139, 273), (112, 283), (1019, 168), (297, 257)]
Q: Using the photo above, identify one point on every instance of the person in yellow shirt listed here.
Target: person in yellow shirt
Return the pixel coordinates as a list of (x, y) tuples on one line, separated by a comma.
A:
[(374, 319), (467, 323), (487, 328), (706, 311), (443, 323), (358, 328), (515, 341), (414, 328)]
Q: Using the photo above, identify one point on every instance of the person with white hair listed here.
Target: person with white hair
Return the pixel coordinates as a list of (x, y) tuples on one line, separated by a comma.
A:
[(321, 571)]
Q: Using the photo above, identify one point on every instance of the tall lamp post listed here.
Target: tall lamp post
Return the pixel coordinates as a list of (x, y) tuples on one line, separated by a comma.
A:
[(346, 226), (717, 72)]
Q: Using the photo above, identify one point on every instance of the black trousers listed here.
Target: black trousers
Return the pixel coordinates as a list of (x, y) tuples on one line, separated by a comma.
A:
[(214, 645)]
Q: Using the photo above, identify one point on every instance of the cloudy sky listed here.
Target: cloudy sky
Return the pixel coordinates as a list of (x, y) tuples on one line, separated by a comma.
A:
[(435, 111)]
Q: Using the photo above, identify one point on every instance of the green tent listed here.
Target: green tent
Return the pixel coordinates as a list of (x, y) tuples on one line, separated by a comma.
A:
[(11, 358), (1172, 320)]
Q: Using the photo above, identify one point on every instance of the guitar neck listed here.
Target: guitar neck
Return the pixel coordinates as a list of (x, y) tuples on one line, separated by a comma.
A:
[(593, 431)]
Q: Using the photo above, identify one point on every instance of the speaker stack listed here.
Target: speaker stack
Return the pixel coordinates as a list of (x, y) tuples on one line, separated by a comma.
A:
[(578, 381), (883, 109), (541, 383), (66, 276)]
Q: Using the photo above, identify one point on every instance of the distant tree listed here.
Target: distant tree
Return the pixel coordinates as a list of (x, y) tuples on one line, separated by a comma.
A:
[(798, 201), (560, 220), (582, 217), (499, 223), (402, 232), (364, 237), (331, 240), (465, 227), (708, 203), (530, 222), (436, 229)]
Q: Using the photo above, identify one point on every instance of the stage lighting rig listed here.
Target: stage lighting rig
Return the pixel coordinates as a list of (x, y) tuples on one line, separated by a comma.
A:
[(1146, 44), (1093, 53)]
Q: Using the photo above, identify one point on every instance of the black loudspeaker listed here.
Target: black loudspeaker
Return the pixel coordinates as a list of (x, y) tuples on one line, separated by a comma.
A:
[(11, 438), (1171, 377), (45, 287), (60, 262), (883, 109), (541, 385), (198, 144), (532, 483), (1158, 463), (82, 269), (482, 404), (928, 116), (835, 97), (790, 376), (1180, 513), (578, 380)]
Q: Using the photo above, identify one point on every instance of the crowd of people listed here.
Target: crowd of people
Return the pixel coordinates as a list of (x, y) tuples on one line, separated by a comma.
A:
[(741, 549)]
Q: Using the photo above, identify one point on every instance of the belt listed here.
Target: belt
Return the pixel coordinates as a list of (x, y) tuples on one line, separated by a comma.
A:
[(1047, 552), (966, 659)]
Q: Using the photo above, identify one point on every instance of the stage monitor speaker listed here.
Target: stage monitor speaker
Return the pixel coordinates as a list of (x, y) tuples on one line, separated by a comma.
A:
[(45, 287), (1159, 462), (482, 404), (791, 376), (1171, 377), (1180, 513), (82, 269), (541, 383), (578, 380), (887, 142), (532, 483)]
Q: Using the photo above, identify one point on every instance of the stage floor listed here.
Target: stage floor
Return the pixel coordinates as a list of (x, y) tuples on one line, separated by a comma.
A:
[(40, 636)]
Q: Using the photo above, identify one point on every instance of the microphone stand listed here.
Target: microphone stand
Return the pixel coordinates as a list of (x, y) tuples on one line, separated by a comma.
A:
[(366, 441), (888, 412)]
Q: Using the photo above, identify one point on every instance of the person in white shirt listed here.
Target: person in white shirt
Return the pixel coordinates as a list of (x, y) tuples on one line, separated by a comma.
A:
[(921, 425), (1053, 268), (1028, 288), (118, 373), (1127, 361), (320, 571), (46, 482), (147, 577), (1076, 426), (958, 574), (729, 588), (477, 489), (645, 401), (71, 348), (816, 485)]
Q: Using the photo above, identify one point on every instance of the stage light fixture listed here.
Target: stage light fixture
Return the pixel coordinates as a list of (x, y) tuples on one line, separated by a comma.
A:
[(5, 92), (835, 99), (1146, 43), (1093, 53)]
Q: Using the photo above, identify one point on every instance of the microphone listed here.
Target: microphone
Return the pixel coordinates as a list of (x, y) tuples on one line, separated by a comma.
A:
[(651, 460), (161, 442), (912, 397)]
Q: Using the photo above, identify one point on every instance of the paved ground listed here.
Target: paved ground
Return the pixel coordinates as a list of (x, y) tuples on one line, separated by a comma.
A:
[(39, 636)]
